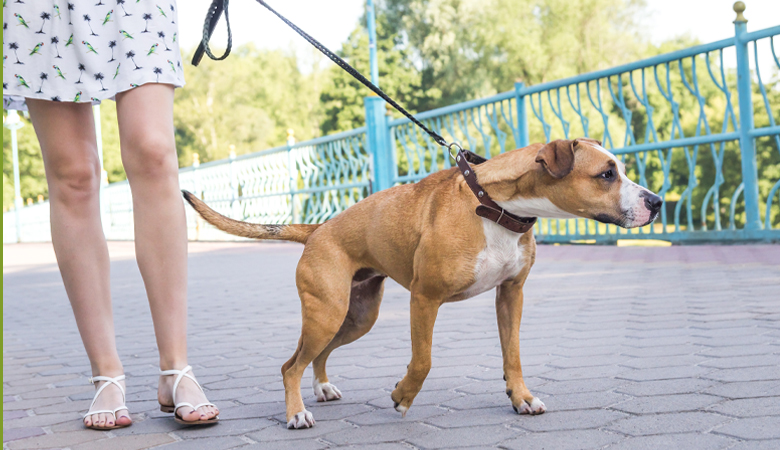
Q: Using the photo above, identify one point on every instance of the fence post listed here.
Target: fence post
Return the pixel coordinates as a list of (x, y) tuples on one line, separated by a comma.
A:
[(293, 172), (522, 117), (13, 123), (235, 207), (378, 143), (746, 143), (196, 185)]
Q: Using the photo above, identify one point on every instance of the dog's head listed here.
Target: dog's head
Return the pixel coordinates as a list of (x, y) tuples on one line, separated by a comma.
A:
[(578, 178)]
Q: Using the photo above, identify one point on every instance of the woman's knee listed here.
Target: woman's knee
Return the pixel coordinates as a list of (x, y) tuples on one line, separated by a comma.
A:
[(74, 178), (152, 155)]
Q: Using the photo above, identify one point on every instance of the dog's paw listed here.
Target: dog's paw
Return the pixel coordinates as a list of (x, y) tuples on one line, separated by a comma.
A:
[(401, 409), (535, 407), (325, 392), (303, 419)]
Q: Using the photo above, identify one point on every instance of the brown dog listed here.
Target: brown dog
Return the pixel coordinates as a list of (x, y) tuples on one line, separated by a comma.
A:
[(426, 237)]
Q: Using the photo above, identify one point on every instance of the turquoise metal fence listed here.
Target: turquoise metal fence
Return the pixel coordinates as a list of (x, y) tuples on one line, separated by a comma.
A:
[(699, 126), (681, 122)]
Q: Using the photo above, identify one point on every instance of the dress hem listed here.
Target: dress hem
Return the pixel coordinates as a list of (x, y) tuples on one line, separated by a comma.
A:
[(17, 101)]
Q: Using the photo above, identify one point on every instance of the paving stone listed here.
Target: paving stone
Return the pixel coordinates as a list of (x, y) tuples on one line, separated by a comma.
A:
[(664, 373), (14, 434), (752, 428), (569, 420), (765, 373), (562, 440), (749, 407), (748, 389), (667, 423), (279, 432), (373, 434), (462, 437), (390, 415), (685, 440), (583, 401), (135, 442), (665, 387), (216, 443), (757, 445), (298, 444), (667, 403), (64, 439), (473, 417)]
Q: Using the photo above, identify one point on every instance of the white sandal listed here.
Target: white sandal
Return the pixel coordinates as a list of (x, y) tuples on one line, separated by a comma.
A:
[(108, 381), (172, 409)]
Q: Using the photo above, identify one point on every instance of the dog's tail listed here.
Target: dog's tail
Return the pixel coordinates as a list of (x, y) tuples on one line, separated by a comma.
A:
[(296, 233)]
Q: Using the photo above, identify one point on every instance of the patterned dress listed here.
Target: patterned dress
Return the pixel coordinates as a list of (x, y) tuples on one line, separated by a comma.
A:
[(87, 50)]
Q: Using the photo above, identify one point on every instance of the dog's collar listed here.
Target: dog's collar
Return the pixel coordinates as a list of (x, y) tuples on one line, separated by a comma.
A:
[(488, 208)]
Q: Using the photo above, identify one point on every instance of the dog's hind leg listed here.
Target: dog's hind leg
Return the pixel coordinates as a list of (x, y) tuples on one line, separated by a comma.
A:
[(324, 292), (423, 316), (364, 301)]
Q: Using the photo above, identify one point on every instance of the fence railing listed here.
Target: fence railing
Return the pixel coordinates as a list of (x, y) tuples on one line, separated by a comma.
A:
[(699, 126)]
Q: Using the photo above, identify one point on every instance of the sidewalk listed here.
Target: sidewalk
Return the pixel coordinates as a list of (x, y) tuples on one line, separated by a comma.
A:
[(628, 347)]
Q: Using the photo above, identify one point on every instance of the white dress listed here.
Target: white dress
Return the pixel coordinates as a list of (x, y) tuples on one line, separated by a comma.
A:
[(87, 50)]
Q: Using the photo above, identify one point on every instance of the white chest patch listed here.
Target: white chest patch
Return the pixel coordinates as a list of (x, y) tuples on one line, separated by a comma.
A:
[(502, 259)]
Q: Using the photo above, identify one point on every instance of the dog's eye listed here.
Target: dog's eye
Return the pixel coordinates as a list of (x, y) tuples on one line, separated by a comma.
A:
[(608, 175)]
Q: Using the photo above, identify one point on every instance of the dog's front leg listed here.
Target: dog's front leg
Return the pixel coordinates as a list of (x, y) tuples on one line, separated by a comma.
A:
[(423, 316), (509, 309)]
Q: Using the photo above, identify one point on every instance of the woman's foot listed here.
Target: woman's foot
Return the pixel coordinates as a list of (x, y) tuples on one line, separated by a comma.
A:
[(109, 399), (189, 392)]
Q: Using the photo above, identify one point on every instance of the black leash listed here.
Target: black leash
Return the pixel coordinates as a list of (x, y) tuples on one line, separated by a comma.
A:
[(213, 15), (487, 209)]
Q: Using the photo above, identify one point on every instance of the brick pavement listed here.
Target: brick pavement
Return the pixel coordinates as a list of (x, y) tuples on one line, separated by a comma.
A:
[(629, 348)]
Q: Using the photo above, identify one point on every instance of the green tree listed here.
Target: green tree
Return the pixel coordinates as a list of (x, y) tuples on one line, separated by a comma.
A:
[(249, 101)]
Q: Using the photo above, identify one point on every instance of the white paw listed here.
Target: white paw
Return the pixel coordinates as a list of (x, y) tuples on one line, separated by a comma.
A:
[(303, 419), (401, 409), (325, 392), (536, 407)]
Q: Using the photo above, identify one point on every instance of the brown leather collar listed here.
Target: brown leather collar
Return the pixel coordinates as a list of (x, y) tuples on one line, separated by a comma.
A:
[(488, 208)]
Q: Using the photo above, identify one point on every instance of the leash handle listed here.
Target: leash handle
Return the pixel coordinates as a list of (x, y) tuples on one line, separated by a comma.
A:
[(212, 18)]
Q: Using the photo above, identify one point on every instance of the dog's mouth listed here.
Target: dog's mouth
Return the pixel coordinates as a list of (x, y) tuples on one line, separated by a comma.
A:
[(625, 220)]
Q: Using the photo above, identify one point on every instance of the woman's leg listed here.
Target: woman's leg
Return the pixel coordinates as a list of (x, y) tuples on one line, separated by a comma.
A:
[(146, 134), (66, 133)]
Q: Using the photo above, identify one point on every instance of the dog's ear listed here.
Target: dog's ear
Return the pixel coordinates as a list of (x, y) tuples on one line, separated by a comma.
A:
[(557, 157)]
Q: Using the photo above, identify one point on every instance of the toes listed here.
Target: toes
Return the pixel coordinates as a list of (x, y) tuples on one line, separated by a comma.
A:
[(88, 421), (191, 415), (123, 419), (326, 392), (535, 407), (207, 412), (303, 419), (101, 420)]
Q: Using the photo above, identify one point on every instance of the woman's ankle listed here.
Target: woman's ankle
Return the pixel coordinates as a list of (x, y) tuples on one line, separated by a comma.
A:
[(111, 368), (176, 363)]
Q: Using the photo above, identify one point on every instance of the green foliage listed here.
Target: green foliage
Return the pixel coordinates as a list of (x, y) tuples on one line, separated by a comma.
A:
[(32, 177), (249, 101)]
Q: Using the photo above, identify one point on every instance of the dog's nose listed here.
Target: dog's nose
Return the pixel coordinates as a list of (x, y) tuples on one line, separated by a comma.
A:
[(653, 202)]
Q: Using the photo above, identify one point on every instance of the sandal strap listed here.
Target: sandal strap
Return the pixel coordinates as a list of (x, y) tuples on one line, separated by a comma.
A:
[(194, 407), (108, 381), (179, 375)]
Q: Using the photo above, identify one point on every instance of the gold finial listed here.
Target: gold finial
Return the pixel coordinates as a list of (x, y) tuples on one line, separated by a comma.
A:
[(739, 8), (40, 198), (232, 154), (290, 137), (29, 201), (195, 159)]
